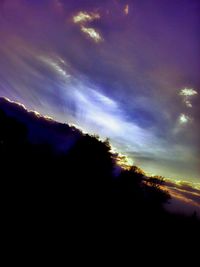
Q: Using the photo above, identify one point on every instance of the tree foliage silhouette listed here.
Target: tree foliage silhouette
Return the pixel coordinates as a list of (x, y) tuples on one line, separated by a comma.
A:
[(80, 182)]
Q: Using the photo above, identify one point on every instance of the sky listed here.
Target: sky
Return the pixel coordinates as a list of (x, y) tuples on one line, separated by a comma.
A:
[(123, 69)]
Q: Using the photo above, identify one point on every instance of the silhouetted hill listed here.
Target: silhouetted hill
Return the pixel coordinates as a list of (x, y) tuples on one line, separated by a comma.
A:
[(40, 129), (52, 172)]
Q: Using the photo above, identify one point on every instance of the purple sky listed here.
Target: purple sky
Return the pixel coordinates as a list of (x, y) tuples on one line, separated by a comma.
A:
[(125, 84)]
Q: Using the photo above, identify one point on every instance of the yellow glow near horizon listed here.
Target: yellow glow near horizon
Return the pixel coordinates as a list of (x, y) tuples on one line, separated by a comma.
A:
[(124, 161)]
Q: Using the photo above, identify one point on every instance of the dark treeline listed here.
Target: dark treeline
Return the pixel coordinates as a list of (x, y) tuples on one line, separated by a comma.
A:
[(77, 184)]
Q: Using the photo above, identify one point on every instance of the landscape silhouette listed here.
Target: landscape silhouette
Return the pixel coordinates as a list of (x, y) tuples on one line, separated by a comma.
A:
[(53, 172)]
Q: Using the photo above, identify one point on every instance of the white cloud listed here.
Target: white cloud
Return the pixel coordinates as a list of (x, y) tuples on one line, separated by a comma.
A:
[(188, 103), (92, 33), (188, 92), (183, 119), (83, 17), (58, 65)]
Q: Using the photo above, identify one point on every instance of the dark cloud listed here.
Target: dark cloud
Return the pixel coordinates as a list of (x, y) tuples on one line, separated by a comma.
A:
[(185, 196)]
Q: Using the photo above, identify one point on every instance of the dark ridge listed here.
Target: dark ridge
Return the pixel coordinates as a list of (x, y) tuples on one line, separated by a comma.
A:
[(40, 129), (54, 174)]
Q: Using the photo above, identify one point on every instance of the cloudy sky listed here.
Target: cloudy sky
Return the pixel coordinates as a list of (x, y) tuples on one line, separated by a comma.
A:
[(123, 69)]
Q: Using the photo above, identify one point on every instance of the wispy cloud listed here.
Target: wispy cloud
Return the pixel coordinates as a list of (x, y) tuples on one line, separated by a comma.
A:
[(187, 93), (126, 10), (183, 119), (185, 197), (58, 65), (83, 17), (92, 33)]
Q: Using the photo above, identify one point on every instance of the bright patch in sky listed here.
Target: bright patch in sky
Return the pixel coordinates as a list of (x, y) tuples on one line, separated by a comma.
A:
[(126, 9), (83, 17), (58, 65), (188, 103), (188, 92), (183, 119), (92, 33)]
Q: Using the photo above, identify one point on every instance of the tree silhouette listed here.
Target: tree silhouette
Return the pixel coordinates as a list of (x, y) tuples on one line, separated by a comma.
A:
[(80, 183)]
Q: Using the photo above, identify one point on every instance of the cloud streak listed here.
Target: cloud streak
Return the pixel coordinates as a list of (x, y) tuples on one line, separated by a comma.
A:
[(92, 33), (83, 17), (185, 197)]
